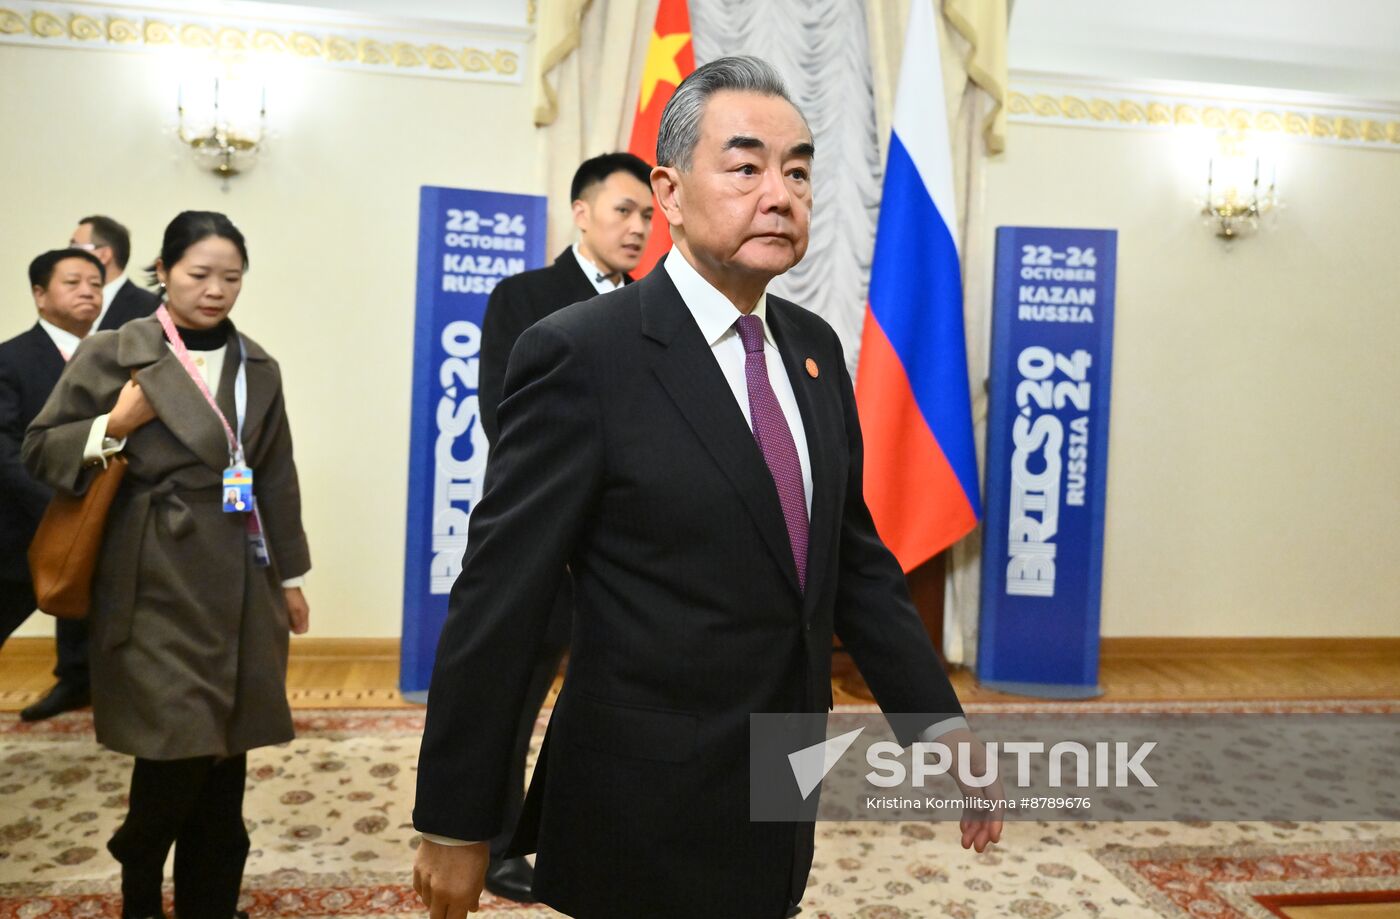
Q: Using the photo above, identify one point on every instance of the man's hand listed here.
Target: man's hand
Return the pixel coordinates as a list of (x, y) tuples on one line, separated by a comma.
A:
[(131, 411), (450, 878), (298, 610), (980, 827)]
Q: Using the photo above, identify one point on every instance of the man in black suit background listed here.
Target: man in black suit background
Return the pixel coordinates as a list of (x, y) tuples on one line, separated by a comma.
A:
[(612, 207), (67, 288), (122, 300), (689, 447)]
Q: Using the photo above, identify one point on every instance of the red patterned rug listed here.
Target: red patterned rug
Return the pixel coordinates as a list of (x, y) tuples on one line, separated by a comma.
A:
[(1256, 880), (329, 819)]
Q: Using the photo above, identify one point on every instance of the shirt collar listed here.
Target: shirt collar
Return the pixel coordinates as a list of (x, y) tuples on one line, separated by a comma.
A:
[(713, 311), (595, 275), (64, 340), (109, 290)]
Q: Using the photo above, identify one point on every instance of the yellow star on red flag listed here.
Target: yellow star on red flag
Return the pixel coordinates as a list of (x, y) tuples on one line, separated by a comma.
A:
[(661, 64), (670, 58)]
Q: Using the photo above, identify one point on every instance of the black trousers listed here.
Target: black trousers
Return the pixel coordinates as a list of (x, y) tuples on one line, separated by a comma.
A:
[(16, 605), (72, 652), (541, 679), (197, 806)]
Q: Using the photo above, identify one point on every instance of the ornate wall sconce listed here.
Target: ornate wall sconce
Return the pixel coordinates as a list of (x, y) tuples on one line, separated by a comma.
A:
[(224, 124), (1236, 197)]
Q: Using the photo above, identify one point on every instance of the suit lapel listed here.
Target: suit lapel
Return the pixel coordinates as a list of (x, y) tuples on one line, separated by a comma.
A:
[(48, 360), (115, 312), (181, 408), (262, 388), (822, 436), (176, 399), (574, 285), (692, 378)]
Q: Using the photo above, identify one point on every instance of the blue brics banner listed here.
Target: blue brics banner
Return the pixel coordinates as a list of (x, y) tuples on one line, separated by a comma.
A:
[(1047, 460), (467, 242)]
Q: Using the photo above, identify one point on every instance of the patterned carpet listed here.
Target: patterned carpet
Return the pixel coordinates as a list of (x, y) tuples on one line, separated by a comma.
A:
[(329, 819)]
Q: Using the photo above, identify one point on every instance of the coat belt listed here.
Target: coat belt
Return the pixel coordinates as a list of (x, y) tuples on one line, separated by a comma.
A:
[(122, 545)]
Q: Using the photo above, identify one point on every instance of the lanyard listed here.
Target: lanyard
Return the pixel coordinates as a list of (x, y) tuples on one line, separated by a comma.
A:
[(256, 538), (240, 384)]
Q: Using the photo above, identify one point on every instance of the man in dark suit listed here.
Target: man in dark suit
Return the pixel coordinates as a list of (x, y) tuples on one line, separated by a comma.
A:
[(689, 447), (110, 243), (67, 288), (612, 208), (122, 300)]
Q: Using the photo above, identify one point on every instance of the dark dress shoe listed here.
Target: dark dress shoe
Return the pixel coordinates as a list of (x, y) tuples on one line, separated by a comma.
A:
[(511, 878), (793, 911), (64, 697)]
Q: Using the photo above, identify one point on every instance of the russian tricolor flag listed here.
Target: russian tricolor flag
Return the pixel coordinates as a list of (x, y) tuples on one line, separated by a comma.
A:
[(911, 386)]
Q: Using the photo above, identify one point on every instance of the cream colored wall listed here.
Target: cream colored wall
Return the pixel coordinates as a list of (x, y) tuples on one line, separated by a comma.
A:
[(331, 217), (1253, 485)]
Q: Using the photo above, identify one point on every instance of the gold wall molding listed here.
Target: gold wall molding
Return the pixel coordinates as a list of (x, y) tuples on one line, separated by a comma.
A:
[(417, 50), (1303, 117)]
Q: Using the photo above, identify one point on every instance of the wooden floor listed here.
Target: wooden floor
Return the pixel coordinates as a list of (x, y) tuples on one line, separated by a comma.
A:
[(355, 673)]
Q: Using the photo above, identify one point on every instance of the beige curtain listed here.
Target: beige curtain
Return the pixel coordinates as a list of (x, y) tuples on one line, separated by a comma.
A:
[(590, 61), (972, 40)]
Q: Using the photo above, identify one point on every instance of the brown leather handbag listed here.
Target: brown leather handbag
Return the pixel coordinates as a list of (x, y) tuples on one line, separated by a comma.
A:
[(63, 555)]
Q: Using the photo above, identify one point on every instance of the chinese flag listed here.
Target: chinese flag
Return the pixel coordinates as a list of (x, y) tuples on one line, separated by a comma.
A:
[(670, 59)]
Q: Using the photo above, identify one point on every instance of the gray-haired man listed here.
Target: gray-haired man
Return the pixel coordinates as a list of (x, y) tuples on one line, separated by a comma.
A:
[(688, 446)]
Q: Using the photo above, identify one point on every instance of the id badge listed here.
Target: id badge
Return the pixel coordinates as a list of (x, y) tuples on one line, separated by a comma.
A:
[(238, 489)]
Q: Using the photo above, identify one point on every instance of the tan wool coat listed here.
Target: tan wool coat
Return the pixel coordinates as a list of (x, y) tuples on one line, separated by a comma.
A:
[(189, 636)]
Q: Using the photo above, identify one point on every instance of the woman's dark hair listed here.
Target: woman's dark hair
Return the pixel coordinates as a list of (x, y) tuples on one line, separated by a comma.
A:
[(190, 227)]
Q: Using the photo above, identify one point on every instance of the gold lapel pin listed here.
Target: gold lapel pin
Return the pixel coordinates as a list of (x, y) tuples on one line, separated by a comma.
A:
[(811, 368)]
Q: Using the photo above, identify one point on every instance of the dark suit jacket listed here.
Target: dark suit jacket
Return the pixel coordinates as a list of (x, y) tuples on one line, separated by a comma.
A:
[(623, 453), (29, 369), (131, 302), (517, 303)]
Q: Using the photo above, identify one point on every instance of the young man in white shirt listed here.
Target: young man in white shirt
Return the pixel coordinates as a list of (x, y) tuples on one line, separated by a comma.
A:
[(612, 206)]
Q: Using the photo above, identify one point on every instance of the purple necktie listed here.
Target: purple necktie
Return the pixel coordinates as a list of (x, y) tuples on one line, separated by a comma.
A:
[(770, 429)]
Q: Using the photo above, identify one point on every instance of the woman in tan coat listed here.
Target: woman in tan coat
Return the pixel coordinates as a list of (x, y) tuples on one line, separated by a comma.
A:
[(191, 612)]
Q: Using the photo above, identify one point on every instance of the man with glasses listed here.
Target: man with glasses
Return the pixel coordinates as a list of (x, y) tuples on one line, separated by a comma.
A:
[(122, 300)]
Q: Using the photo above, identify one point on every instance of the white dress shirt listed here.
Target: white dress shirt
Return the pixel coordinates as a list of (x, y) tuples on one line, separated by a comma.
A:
[(716, 317), (109, 293), (65, 341), (93, 451), (601, 282)]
